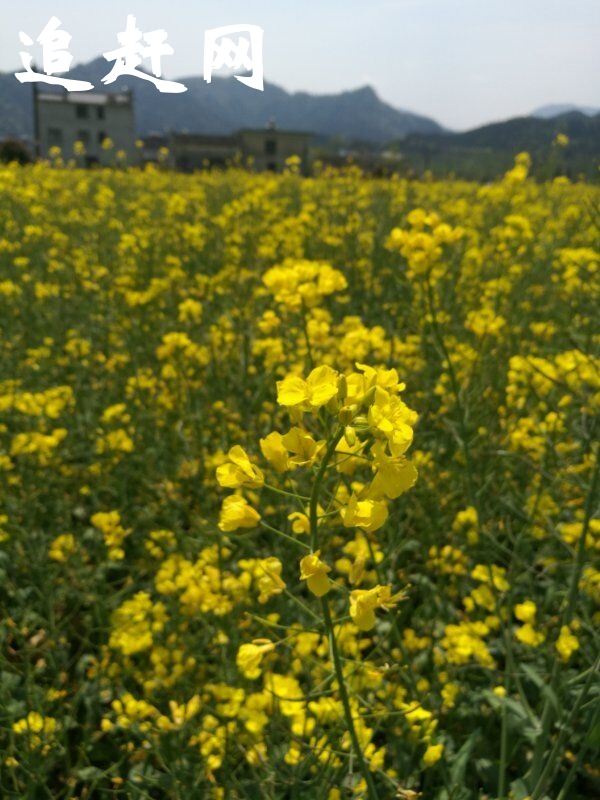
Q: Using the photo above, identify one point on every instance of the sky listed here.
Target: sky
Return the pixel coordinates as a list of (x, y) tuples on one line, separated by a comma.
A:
[(462, 62)]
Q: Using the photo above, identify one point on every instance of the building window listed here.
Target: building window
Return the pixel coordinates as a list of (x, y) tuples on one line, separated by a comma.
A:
[(272, 166), (101, 137), (270, 147), (82, 111), (100, 112), (83, 137), (55, 138)]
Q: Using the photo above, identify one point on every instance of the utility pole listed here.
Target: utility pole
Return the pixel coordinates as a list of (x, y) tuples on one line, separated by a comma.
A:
[(36, 118)]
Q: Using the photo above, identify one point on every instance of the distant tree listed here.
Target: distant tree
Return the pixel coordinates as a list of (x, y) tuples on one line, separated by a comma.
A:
[(13, 150)]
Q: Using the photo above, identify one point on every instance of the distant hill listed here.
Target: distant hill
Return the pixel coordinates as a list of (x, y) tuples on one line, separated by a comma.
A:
[(226, 105), (558, 109), (488, 151)]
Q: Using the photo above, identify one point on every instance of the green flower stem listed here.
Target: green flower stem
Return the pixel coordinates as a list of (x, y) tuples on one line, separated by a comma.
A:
[(307, 609), (314, 495), (284, 492), (552, 762), (585, 745), (335, 655), (283, 535), (339, 673), (462, 424), (503, 745)]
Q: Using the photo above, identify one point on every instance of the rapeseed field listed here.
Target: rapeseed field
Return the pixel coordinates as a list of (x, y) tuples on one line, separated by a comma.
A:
[(299, 486)]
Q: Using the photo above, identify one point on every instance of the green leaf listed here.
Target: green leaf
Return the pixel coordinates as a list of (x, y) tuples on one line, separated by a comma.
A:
[(519, 790), (15, 709), (594, 736), (88, 774), (9, 680), (461, 760), (544, 688)]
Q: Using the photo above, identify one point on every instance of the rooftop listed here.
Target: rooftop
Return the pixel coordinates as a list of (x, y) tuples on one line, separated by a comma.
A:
[(88, 98), (275, 131), (205, 139)]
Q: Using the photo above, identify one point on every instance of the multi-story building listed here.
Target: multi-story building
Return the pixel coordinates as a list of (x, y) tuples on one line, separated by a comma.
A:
[(63, 118)]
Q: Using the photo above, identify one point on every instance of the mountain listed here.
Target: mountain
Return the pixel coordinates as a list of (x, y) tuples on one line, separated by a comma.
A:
[(226, 105), (527, 133), (486, 152), (557, 109)]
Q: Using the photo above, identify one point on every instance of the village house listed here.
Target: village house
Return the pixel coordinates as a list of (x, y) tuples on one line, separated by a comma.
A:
[(269, 148), (63, 118), (261, 149)]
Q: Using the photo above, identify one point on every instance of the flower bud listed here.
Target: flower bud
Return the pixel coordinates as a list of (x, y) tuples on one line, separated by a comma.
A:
[(350, 435)]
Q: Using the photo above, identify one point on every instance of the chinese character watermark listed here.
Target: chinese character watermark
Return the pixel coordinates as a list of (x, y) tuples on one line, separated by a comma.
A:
[(220, 50), (56, 58), (129, 56), (229, 54)]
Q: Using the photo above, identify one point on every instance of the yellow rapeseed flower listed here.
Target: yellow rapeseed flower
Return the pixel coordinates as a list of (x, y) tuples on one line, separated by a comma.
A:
[(239, 471), (317, 390), (237, 513), (566, 644), (314, 572), (364, 602)]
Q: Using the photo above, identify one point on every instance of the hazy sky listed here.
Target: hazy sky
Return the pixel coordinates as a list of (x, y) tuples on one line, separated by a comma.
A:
[(463, 62)]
